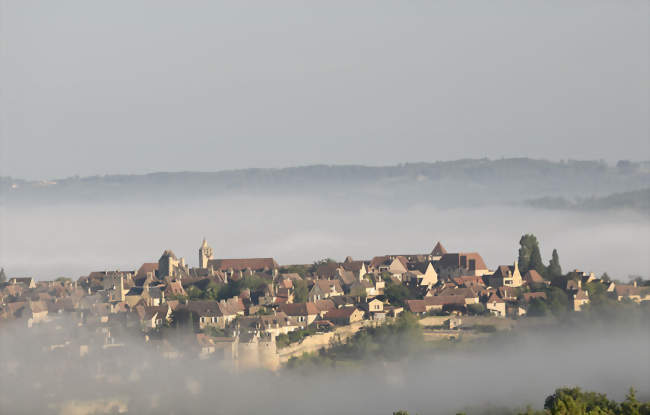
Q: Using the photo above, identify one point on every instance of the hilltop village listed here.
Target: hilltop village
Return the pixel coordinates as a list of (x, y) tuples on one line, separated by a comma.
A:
[(254, 312)]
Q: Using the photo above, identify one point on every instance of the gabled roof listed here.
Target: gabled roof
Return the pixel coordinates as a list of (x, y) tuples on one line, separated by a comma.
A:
[(581, 295), (240, 264), (299, 309), (416, 306), (326, 286), (146, 268), (353, 265), (337, 313), (204, 308), (325, 305), (438, 250), (504, 271), (533, 277), (495, 299)]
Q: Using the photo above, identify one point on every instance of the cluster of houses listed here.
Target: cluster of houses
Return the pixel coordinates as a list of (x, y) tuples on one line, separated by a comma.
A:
[(282, 299)]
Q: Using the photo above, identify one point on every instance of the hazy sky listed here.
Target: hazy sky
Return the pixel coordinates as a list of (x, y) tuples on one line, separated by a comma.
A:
[(137, 86)]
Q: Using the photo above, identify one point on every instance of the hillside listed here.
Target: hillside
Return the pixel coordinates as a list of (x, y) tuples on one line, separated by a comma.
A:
[(450, 183)]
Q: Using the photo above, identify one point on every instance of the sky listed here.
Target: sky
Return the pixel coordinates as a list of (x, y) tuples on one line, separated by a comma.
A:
[(132, 87)]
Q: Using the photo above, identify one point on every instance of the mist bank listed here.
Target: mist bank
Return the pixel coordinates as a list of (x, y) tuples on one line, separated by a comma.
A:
[(442, 183), (513, 370), (638, 200), (73, 239)]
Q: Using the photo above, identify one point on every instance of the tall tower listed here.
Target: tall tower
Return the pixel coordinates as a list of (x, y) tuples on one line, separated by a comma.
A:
[(205, 254)]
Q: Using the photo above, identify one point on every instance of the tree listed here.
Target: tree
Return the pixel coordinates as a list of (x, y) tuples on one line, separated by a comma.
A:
[(300, 291), (554, 268), (396, 294), (3, 276), (529, 255), (537, 308)]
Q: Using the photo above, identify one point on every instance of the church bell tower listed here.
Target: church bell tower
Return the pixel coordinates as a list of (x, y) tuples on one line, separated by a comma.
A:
[(205, 254)]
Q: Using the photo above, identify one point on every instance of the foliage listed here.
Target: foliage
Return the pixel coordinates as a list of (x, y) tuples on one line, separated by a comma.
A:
[(3, 276), (397, 294), (554, 268), (300, 291), (476, 309), (557, 301), (537, 308), (389, 341), (295, 336), (484, 328), (530, 256), (574, 401), (214, 331), (301, 270)]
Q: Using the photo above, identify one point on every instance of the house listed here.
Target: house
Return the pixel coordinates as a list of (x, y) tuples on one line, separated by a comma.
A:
[(468, 295), (324, 306), (327, 270), (36, 312), (395, 265), (462, 263), (374, 309), (418, 307), (358, 268), (580, 298), (496, 306), (508, 293), (428, 277), (534, 279), (305, 313), (375, 306), (506, 276), (148, 269), (325, 289), (632, 292), (206, 312), (27, 282), (344, 316)]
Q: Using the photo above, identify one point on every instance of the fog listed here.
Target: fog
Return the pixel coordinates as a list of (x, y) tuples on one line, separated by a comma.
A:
[(72, 240), (511, 371)]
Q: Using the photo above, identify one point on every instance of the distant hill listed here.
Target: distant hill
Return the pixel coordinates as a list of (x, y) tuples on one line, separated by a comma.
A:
[(638, 200), (445, 183)]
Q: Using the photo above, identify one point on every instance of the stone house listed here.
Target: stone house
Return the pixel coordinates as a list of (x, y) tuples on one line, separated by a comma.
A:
[(496, 306), (506, 276), (305, 313), (579, 299), (344, 316), (323, 289)]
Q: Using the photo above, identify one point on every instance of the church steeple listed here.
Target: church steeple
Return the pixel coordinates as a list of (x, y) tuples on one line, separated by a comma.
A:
[(205, 254)]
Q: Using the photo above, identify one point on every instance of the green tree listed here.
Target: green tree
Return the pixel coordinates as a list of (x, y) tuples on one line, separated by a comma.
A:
[(630, 405), (537, 308), (554, 268), (529, 255), (194, 292), (3, 276), (397, 294), (300, 291)]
